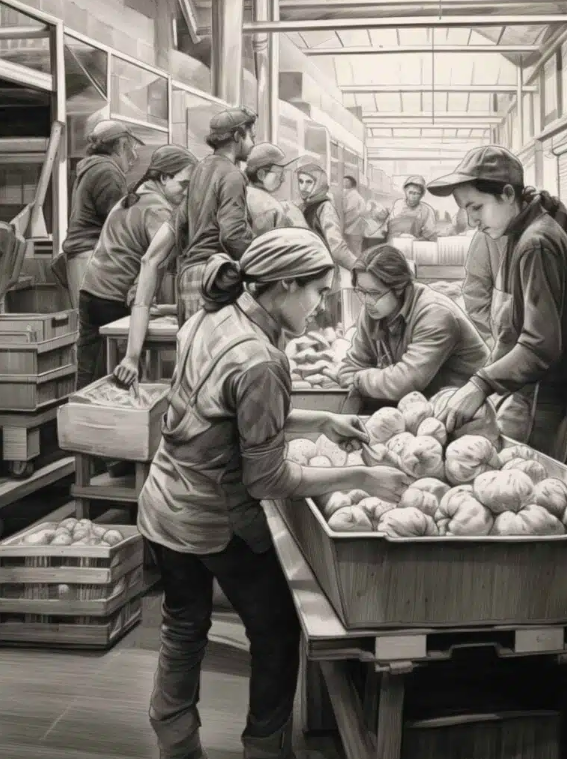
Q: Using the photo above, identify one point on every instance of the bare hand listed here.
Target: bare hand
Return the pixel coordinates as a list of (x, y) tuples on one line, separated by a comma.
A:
[(386, 482), (346, 375), (462, 407), (346, 430), (127, 373)]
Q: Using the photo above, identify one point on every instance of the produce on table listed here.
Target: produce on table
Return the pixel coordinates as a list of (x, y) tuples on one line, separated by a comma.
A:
[(74, 532), (552, 495), (468, 457), (109, 394), (503, 491), (535, 471), (483, 423), (530, 520), (315, 358), (460, 513), (407, 523), (463, 488), (451, 288)]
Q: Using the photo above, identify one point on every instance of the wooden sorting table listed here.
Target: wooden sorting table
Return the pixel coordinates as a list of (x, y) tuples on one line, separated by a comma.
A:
[(390, 654), (161, 336)]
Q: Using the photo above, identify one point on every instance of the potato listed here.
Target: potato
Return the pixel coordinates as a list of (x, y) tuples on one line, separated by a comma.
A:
[(62, 539), (113, 537), (81, 534), (68, 524), (320, 461), (39, 538), (98, 530)]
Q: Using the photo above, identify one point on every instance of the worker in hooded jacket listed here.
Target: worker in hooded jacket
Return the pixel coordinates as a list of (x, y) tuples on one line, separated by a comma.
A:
[(408, 336), (410, 216), (99, 185), (125, 237), (528, 365), (222, 452)]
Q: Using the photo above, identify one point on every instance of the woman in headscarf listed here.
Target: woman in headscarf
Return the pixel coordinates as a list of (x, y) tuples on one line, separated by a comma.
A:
[(528, 365), (321, 216), (125, 237), (222, 451), (408, 337)]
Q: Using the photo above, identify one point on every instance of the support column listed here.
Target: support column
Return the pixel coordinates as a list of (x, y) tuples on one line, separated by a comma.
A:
[(261, 44), (520, 105), (226, 54), (59, 175), (274, 73)]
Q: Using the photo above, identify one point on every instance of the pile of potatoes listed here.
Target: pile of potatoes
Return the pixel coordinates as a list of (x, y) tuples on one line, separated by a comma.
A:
[(74, 532), (315, 358)]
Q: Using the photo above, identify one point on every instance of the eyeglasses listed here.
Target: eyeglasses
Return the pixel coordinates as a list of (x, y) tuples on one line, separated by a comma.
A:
[(372, 297)]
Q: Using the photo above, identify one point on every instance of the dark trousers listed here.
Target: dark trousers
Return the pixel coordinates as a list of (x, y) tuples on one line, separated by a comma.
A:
[(94, 313), (255, 585)]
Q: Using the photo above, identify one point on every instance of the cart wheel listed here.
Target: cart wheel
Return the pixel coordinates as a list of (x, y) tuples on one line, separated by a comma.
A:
[(21, 470)]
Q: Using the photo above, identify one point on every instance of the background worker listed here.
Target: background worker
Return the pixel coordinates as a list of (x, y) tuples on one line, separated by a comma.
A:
[(528, 366), (99, 185), (265, 170), (354, 212), (217, 215), (410, 216), (408, 336), (125, 238)]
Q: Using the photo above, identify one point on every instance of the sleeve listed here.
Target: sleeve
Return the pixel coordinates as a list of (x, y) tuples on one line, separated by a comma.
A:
[(540, 343), (154, 219), (331, 227), (478, 285), (263, 402), (361, 354), (435, 335), (232, 215), (108, 188), (429, 227)]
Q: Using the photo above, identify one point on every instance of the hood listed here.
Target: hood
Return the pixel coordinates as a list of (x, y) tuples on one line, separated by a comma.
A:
[(92, 160), (320, 190)]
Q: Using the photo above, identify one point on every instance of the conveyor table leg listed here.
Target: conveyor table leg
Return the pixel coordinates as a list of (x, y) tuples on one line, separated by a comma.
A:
[(390, 716), (316, 709)]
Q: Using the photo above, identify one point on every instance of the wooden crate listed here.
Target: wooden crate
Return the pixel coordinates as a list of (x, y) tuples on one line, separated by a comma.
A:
[(40, 326), (425, 253), (40, 298), (452, 251), (29, 392), (127, 434), (70, 632), (21, 563), (19, 355), (374, 581), (529, 735), (319, 400)]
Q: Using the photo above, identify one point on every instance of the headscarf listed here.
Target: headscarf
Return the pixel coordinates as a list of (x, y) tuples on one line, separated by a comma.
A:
[(167, 160), (321, 188), (277, 255)]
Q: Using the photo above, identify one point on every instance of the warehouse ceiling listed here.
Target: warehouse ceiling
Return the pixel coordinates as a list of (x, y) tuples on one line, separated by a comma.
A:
[(429, 69)]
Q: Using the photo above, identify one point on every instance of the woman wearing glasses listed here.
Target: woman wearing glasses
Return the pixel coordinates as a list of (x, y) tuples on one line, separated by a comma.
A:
[(408, 337)]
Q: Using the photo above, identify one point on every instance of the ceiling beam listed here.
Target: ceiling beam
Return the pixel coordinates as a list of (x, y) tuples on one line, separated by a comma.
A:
[(349, 5), (428, 125), (422, 49), (23, 32), (395, 116), (377, 88), (400, 22)]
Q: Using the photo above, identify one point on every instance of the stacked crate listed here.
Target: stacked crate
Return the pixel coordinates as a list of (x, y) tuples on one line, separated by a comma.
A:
[(80, 596), (37, 365)]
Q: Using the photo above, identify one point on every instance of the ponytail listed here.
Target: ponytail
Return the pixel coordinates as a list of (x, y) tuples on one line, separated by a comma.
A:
[(133, 196), (223, 282)]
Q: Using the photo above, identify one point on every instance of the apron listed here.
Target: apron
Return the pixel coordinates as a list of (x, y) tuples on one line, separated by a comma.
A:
[(404, 225), (516, 412)]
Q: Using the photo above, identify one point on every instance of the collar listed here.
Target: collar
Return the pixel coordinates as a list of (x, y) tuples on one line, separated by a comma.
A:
[(150, 186), (527, 216), (400, 319), (260, 317)]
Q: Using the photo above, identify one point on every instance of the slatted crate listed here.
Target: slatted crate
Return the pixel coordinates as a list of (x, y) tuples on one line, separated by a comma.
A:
[(41, 326), (19, 354), (70, 632), (29, 392)]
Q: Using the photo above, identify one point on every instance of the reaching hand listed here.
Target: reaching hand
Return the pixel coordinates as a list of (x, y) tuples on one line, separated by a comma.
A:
[(346, 430), (462, 406), (346, 375), (127, 373)]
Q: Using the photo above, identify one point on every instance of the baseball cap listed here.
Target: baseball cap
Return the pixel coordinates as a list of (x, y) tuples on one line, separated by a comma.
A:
[(416, 180), (110, 129), (265, 154), (491, 163), (232, 118)]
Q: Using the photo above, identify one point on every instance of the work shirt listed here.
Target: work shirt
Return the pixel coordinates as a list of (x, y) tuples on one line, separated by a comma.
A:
[(418, 221), (125, 238), (217, 217), (529, 309), (99, 185), (222, 450), (429, 345), (265, 212), (481, 267), (354, 210)]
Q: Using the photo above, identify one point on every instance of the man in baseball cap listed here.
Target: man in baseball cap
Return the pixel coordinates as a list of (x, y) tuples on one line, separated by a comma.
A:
[(489, 164), (410, 216), (100, 183), (217, 216), (265, 170)]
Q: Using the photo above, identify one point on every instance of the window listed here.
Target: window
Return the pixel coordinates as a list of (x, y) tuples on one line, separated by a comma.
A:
[(191, 116), (550, 90), (138, 94), (527, 101), (31, 53)]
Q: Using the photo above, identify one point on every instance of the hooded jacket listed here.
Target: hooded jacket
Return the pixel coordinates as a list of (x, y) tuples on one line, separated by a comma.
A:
[(322, 218), (99, 185)]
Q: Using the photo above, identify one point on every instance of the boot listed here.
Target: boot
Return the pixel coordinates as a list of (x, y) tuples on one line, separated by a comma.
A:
[(275, 746)]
